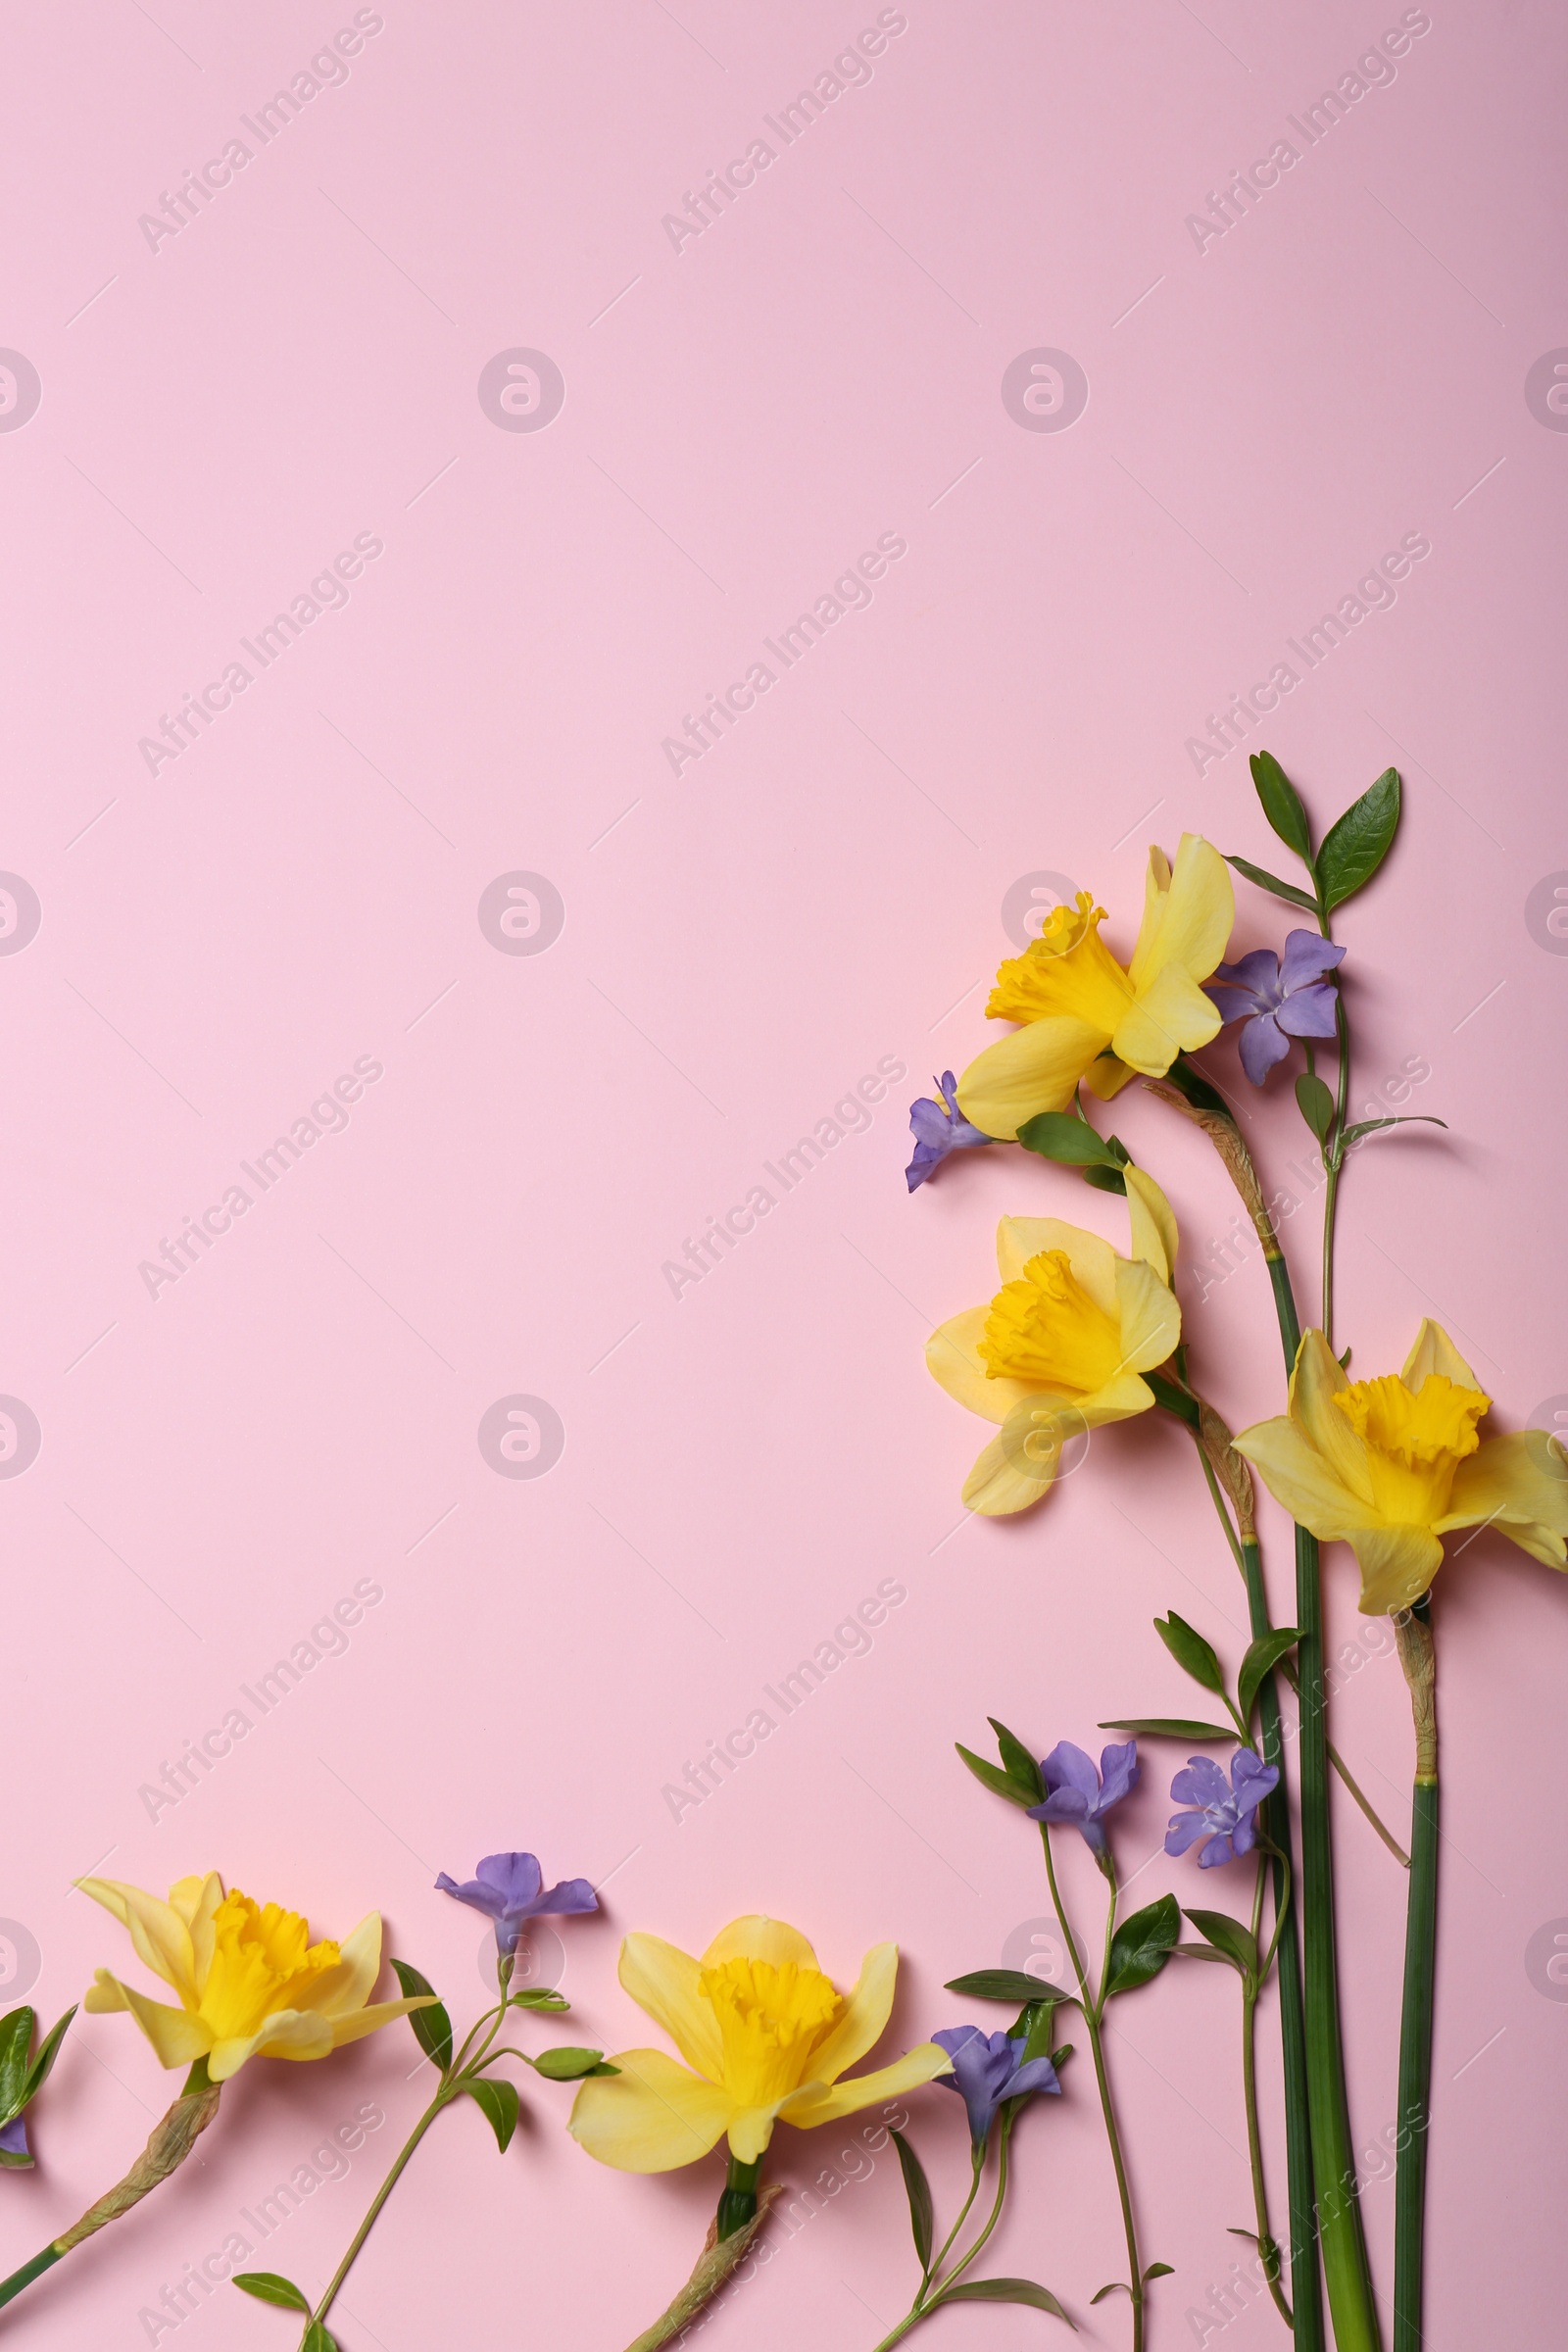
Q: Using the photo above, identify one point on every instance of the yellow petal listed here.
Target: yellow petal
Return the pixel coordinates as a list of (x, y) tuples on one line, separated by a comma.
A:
[(1435, 1351), (1106, 1076), (370, 2020), (179, 2038), (665, 1981), (359, 1964), (1120, 1399), (820, 2104), (757, 1938), (864, 2017), (158, 1936), (953, 1360), (1520, 1482), (1003, 1481), (1188, 924), (1171, 1015), (1037, 1069), (1298, 1477), (651, 2117), (203, 1898), (1153, 1226), (1316, 1380), (287, 2034), (1093, 1260), (1397, 1564), (1151, 1319)]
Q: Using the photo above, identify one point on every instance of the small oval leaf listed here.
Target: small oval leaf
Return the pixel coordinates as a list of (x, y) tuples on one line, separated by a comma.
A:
[(1267, 881), (1058, 1135), (991, 1777), (498, 2102), (1190, 1651), (917, 2189), (1261, 1657), (1315, 1102), (1002, 2291), (1170, 1727), (566, 2064), (1357, 844), (1009, 1984), (1282, 804), (432, 2027), (1142, 1945), (267, 2288)]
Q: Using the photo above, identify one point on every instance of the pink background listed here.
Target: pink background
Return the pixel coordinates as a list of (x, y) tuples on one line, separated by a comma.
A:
[(743, 1463)]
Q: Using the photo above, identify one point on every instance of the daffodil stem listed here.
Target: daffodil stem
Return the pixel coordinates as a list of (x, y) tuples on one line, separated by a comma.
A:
[(737, 2205), (172, 2141), (1093, 2010), (1416, 1654)]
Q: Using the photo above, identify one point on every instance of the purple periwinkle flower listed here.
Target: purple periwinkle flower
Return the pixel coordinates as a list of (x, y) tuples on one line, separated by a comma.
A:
[(13, 2140), (1224, 1814), (988, 2069), (510, 1890), (1076, 1793), (1277, 996), (938, 1127)]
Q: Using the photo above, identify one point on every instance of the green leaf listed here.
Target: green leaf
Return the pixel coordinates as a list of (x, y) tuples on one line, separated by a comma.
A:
[(1034, 2022), (1002, 2291), (48, 2052), (1265, 1653), (1117, 2286), (923, 2216), (545, 1998), (1416, 1118), (317, 2339), (1190, 1651), (566, 2064), (1357, 844), (498, 2102), (1018, 1761), (1058, 1135), (1142, 1945), (1159, 2270), (432, 2027), (16, 2160), (991, 1777), (1172, 1726), (267, 2288), (1230, 1936), (1316, 1102), (1105, 1180), (1282, 806), (1189, 1082), (16, 2040), (1267, 881), (1005, 1985)]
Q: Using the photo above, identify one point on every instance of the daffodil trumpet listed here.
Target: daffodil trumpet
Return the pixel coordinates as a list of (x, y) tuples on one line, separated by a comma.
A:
[(250, 1982), (766, 2038)]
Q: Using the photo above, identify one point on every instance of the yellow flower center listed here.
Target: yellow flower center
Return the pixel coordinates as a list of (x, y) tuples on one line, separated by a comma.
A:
[(771, 2020), (1416, 1440), (262, 1961), (1046, 1327), (1068, 969)]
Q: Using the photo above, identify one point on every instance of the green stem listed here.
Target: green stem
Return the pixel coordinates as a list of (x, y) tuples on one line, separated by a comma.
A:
[(29, 2271), (941, 2255), (738, 2203), (443, 2098), (1334, 1163), (1267, 2245), (1092, 2012), (1415, 2026), (1003, 2135)]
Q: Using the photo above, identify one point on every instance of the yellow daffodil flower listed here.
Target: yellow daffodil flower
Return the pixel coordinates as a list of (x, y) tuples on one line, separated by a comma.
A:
[(765, 2036), (1059, 1349), (1087, 1019), (1390, 1466), (250, 1982)]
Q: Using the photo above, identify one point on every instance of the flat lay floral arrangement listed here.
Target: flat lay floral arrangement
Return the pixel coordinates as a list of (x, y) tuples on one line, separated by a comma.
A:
[(1070, 1336)]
